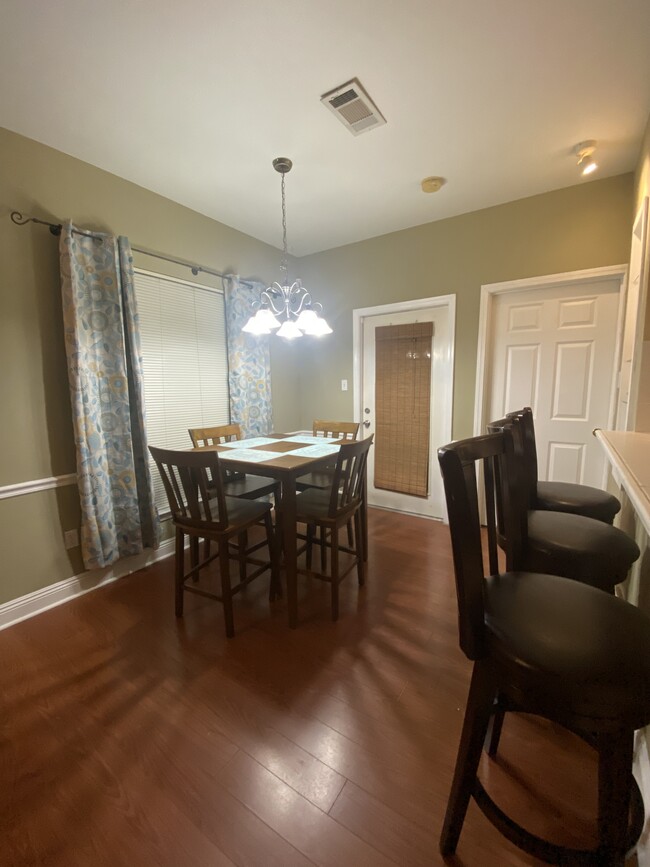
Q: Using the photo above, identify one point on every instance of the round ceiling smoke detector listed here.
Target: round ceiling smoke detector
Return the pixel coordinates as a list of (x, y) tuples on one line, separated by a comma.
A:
[(432, 184)]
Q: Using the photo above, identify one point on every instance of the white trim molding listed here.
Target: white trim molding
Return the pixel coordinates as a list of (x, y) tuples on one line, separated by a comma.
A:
[(444, 364), (7, 491), (31, 604), (489, 291), (361, 313)]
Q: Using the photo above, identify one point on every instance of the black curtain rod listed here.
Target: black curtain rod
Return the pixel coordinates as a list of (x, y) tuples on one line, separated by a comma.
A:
[(55, 228)]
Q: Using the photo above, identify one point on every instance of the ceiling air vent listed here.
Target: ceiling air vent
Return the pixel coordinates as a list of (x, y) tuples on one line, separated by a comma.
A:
[(353, 107)]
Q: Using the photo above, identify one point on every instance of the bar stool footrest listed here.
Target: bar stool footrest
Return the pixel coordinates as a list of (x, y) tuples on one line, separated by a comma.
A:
[(553, 853)]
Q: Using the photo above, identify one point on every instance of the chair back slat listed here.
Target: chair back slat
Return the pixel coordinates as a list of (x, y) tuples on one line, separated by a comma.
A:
[(458, 464), (515, 536), (214, 436), (490, 517), (529, 450), (349, 476), (192, 482), (343, 430)]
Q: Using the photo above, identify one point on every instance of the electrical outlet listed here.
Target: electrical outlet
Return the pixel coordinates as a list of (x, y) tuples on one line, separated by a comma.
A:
[(71, 539), (344, 385)]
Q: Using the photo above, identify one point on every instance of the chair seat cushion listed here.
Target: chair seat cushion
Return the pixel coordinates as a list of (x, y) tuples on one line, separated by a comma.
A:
[(580, 548), (240, 512), (249, 487), (585, 649), (577, 499), (318, 479), (313, 503)]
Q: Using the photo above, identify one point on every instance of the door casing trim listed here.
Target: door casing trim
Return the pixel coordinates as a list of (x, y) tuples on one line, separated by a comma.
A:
[(358, 316), (489, 291)]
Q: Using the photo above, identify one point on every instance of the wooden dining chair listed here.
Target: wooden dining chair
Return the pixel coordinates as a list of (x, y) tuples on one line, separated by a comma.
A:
[(562, 543), (559, 649), (576, 499), (341, 430), (200, 509), (244, 485), (331, 508)]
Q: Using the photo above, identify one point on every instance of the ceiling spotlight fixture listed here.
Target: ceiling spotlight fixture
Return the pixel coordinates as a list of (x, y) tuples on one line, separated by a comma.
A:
[(432, 184), (287, 308), (585, 153)]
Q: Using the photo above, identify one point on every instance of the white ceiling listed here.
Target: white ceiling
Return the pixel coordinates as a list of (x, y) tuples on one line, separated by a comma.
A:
[(194, 99)]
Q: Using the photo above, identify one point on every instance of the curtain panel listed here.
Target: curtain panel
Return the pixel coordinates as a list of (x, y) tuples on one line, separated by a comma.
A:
[(248, 362), (102, 343)]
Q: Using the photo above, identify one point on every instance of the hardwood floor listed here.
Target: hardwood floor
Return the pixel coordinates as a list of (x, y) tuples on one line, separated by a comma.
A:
[(131, 738)]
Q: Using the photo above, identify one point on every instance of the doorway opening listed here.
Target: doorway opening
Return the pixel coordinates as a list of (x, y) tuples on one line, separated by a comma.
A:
[(403, 394), (553, 343)]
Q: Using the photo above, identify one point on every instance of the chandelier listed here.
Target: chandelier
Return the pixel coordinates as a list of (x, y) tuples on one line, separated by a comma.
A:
[(289, 308)]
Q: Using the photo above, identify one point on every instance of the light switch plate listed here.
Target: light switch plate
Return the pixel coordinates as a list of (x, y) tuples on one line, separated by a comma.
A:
[(344, 385)]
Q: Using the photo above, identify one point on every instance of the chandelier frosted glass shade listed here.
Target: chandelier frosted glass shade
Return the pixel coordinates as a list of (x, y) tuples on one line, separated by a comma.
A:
[(286, 309)]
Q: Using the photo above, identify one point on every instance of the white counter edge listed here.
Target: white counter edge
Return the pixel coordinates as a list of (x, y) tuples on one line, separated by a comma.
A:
[(635, 492)]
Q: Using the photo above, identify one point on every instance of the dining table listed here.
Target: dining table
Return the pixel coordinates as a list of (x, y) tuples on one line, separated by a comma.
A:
[(284, 457)]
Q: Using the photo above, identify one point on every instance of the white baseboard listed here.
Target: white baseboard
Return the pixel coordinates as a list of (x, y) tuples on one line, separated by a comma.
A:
[(63, 591), (642, 774)]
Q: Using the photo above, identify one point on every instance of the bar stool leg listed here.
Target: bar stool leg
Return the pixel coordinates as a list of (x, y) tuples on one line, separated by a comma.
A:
[(477, 716), (615, 755)]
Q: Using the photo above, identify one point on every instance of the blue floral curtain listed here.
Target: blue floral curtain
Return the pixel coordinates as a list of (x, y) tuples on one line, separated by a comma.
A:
[(248, 362), (105, 372)]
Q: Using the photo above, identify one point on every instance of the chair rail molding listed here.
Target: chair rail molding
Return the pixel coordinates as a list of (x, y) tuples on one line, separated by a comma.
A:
[(17, 490)]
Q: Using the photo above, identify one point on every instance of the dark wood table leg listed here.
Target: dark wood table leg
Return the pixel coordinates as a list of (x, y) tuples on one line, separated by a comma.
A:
[(289, 539)]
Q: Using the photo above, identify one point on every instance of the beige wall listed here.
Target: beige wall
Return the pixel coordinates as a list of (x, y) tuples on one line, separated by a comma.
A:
[(584, 226), (36, 427)]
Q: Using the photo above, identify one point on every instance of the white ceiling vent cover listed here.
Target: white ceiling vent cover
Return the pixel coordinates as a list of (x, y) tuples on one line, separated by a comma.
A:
[(353, 107)]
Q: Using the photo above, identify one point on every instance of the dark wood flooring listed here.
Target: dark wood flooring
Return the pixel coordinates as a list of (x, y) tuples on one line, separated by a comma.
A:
[(130, 738)]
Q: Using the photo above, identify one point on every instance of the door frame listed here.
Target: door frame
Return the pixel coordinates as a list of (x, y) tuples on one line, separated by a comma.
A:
[(490, 291), (446, 363), (640, 247)]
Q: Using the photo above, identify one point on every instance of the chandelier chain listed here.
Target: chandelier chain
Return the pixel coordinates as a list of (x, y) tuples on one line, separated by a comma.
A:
[(284, 265)]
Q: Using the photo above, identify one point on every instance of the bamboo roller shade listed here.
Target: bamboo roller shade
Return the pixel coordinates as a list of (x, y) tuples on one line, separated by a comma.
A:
[(402, 410)]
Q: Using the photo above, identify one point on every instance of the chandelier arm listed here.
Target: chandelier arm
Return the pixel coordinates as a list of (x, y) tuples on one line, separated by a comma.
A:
[(273, 296), (299, 300)]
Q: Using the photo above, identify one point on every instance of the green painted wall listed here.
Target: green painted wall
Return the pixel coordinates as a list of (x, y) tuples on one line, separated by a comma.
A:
[(580, 227), (36, 427), (584, 226)]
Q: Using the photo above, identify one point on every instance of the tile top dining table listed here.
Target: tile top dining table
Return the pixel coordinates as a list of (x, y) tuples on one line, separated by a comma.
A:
[(284, 457)]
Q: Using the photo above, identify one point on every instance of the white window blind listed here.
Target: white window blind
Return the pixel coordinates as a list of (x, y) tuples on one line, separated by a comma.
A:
[(185, 362)]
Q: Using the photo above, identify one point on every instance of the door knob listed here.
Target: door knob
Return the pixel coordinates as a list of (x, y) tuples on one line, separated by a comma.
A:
[(366, 424)]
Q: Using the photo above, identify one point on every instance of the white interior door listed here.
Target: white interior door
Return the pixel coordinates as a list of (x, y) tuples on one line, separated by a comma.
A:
[(554, 349), (440, 398)]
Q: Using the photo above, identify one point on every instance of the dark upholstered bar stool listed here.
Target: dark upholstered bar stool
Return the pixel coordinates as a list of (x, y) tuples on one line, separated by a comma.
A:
[(561, 496), (560, 649), (559, 543)]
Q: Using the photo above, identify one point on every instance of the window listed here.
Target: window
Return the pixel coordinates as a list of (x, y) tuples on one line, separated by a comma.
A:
[(185, 362)]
